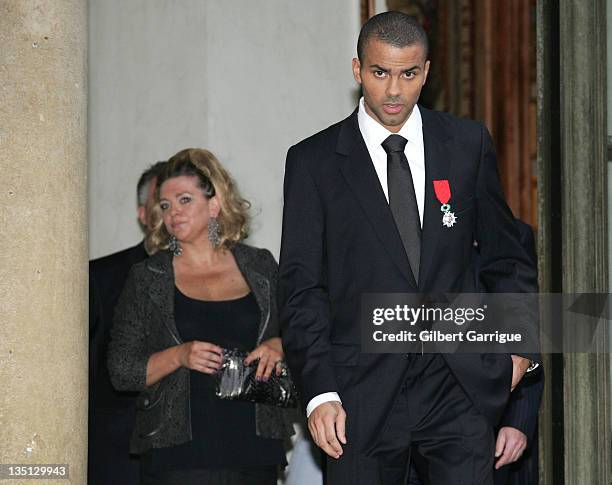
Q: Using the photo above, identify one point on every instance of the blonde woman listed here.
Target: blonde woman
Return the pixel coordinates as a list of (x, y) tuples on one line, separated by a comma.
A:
[(201, 291)]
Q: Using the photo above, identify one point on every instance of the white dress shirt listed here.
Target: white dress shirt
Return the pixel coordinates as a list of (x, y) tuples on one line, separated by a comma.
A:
[(374, 134)]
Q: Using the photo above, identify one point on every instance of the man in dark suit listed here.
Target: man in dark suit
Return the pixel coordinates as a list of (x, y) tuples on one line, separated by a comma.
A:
[(111, 414), (362, 214)]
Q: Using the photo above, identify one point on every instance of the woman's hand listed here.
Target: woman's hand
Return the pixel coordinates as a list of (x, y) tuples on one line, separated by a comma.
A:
[(201, 356), (270, 354)]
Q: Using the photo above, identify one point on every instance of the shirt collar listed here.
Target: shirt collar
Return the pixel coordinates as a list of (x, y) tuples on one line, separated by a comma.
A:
[(374, 133)]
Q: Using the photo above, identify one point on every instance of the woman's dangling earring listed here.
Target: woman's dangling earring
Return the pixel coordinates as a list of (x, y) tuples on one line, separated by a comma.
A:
[(175, 247), (213, 232)]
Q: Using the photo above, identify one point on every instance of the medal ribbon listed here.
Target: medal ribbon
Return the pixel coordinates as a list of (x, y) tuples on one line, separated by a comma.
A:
[(442, 190)]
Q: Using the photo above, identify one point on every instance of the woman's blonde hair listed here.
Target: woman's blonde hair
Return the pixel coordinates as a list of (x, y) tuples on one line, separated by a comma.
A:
[(214, 180)]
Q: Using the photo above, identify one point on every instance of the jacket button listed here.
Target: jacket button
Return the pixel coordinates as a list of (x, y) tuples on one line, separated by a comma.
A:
[(146, 402)]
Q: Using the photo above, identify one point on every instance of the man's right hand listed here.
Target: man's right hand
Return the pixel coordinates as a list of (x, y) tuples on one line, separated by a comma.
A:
[(327, 427)]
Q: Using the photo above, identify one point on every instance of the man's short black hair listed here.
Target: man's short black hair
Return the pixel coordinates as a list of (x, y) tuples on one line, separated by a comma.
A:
[(144, 182), (393, 28)]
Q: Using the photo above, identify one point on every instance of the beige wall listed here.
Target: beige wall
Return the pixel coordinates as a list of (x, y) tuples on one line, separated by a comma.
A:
[(244, 78)]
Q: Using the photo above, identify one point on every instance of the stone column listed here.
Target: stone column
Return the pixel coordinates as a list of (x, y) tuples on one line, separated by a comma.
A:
[(572, 184), (43, 214), (582, 30)]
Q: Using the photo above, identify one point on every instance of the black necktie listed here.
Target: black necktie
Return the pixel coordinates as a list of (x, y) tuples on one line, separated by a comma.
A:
[(402, 199)]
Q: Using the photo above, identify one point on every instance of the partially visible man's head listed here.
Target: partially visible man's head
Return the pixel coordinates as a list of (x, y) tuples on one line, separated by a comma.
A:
[(391, 67), (145, 192)]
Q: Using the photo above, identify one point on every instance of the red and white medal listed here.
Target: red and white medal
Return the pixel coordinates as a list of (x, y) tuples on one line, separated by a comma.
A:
[(443, 194)]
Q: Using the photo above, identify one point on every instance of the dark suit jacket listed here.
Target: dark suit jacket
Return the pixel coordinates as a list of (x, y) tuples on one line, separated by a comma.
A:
[(144, 324), (340, 240), (111, 414)]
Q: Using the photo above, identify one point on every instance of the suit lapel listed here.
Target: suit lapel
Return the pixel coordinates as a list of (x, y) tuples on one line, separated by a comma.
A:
[(358, 170), (437, 167)]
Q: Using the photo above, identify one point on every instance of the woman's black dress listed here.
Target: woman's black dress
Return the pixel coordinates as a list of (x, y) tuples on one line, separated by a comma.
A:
[(223, 431)]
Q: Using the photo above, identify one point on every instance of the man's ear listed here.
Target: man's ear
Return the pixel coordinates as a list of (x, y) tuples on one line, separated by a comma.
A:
[(142, 215), (426, 72), (357, 70)]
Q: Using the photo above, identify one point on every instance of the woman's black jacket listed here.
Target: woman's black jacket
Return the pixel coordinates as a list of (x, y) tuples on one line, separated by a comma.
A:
[(144, 324)]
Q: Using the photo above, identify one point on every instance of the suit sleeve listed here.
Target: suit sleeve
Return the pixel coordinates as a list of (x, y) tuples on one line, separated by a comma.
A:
[(524, 404), (303, 292), (128, 355), (505, 266)]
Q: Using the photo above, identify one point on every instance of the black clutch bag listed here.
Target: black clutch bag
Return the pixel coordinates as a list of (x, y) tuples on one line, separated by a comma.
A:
[(236, 381)]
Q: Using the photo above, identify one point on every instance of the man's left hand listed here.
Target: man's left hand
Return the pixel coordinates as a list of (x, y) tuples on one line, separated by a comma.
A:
[(519, 367), (510, 445)]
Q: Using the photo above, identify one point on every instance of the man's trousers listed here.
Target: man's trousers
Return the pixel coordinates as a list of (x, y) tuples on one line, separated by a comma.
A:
[(433, 415)]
